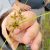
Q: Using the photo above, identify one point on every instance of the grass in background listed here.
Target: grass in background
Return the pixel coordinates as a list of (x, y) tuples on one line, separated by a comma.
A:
[(46, 32)]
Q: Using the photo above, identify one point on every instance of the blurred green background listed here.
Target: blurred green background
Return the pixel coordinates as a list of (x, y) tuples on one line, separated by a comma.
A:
[(45, 28)]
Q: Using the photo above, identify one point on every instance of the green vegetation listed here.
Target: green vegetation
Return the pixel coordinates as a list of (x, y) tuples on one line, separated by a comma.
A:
[(22, 47), (46, 32)]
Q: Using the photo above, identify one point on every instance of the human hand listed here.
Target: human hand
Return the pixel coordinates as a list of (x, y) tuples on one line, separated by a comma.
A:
[(29, 32), (23, 6)]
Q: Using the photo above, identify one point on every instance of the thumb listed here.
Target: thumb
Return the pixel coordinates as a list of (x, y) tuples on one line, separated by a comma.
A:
[(36, 42)]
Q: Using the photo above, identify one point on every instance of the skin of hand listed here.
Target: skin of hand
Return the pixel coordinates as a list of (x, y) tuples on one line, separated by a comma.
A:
[(35, 45), (23, 6), (15, 8), (31, 36)]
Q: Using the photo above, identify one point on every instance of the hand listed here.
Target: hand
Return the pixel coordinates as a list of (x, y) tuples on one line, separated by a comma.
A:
[(16, 8), (31, 35), (23, 6)]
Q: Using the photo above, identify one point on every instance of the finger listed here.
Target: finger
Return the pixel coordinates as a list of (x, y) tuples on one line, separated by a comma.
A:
[(15, 7), (36, 42), (14, 43), (27, 8), (31, 33), (27, 23), (18, 37), (30, 18), (10, 21)]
